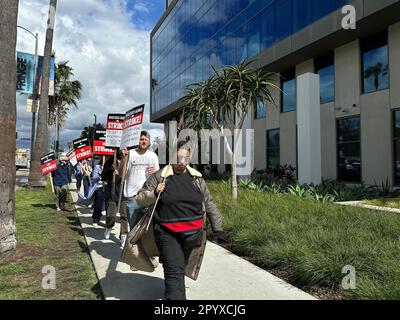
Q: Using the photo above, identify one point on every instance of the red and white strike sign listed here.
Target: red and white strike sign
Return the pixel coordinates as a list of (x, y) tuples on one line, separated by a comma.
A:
[(114, 126), (72, 158), (99, 144), (132, 127), (48, 163), (82, 148)]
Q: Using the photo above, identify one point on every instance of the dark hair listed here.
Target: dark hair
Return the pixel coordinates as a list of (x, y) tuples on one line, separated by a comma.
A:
[(146, 134), (183, 145)]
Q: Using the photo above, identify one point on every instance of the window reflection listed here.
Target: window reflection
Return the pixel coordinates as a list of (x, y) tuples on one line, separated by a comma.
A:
[(288, 91), (375, 63), (273, 148), (349, 149), (228, 32), (325, 68), (261, 110)]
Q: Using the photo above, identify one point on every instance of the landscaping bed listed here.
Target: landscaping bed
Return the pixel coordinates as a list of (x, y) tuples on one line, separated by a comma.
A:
[(308, 242)]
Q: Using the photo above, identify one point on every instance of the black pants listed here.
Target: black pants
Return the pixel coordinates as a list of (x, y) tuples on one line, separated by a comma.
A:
[(175, 252), (86, 185), (78, 181), (98, 204)]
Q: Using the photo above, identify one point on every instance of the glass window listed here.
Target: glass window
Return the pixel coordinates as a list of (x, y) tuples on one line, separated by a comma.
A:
[(267, 27), (324, 66), (375, 63), (283, 19), (288, 91), (253, 45), (273, 148), (322, 8), (301, 14), (349, 149), (396, 141), (261, 110)]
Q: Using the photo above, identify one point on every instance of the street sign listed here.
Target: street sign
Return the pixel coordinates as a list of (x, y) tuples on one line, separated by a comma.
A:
[(32, 105)]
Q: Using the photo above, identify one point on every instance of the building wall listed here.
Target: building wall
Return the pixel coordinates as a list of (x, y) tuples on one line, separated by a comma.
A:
[(376, 159), (394, 54), (347, 79), (328, 141)]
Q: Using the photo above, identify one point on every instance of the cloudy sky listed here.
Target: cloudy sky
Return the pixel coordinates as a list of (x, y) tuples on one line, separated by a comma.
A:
[(107, 43)]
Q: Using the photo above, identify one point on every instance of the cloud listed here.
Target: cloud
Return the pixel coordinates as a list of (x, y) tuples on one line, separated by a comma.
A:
[(108, 50)]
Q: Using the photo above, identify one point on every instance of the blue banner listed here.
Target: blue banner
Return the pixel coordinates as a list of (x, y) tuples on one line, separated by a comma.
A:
[(25, 72), (51, 79)]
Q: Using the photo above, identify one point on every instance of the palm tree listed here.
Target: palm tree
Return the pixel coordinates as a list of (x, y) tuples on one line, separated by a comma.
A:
[(376, 71), (225, 99), (88, 132), (41, 146), (66, 94), (8, 112)]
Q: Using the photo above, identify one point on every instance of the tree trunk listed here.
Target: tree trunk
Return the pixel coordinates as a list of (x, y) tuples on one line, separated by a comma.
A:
[(8, 38), (42, 131), (234, 186)]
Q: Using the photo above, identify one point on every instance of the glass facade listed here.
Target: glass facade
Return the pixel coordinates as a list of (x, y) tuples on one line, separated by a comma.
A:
[(198, 34), (349, 149), (396, 147), (273, 148), (375, 63), (288, 95), (324, 66), (261, 110)]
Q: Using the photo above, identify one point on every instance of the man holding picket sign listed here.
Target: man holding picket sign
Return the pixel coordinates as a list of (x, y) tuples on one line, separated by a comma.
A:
[(61, 177), (137, 163)]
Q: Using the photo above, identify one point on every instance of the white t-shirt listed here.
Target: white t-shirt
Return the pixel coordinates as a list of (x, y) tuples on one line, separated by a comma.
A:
[(136, 171)]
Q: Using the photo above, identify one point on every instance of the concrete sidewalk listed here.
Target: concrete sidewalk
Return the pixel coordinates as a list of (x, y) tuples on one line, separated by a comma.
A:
[(223, 276)]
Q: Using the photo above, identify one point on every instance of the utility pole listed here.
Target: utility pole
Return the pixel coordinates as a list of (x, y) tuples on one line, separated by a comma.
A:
[(42, 132)]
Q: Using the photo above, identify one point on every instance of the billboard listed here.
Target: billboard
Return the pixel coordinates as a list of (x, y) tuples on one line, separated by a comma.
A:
[(48, 163), (25, 72)]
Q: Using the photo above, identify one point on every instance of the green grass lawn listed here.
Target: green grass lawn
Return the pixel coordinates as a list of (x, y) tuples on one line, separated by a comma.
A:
[(313, 241), (47, 237), (390, 203)]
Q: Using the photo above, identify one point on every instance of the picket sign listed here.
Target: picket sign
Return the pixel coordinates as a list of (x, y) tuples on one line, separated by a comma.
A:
[(48, 163), (82, 147)]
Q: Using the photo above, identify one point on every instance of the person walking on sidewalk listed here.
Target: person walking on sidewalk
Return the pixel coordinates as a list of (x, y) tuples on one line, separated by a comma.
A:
[(179, 220), (99, 192), (142, 162), (61, 178), (111, 198), (86, 168)]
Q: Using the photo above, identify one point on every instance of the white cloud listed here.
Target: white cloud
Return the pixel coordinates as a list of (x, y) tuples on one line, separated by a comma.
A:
[(109, 54)]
